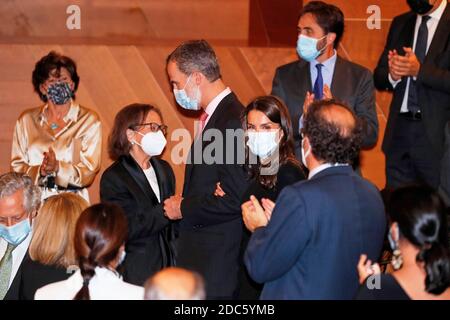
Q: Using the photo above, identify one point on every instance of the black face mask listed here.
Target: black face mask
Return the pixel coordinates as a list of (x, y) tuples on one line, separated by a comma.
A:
[(420, 6)]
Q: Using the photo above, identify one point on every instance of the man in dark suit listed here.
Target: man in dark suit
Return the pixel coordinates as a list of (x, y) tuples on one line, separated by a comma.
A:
[(321, 73), (415, 65), (210, 228), (319, 227), (19, 202)]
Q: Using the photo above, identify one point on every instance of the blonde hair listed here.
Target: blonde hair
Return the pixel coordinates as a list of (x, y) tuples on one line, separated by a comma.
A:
[(54, 229)]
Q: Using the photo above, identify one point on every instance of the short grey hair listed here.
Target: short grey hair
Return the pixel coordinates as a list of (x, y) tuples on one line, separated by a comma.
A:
[(196, 56), (154, 292), (12, 182)]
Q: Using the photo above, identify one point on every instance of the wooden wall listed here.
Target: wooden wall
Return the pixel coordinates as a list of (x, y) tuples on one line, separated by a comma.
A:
[(118, 69)]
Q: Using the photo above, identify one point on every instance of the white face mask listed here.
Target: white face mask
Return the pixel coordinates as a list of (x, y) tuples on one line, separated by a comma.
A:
[(305, 154), (152, 143), (262, 143)]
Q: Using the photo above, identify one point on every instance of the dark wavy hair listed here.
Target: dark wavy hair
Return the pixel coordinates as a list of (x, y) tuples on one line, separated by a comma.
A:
[(274, 109), (53, 62), (421, 216), (99, 233), (329, 17), (129, 117), (330, 141)]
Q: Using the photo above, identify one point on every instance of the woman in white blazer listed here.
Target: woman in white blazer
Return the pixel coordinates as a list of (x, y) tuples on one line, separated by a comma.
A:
[(100, 235)]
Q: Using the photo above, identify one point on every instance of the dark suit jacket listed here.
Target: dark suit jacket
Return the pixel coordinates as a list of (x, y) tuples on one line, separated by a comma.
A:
[(312, 244), (14, 289), (148, 247), (433, 80), (351, 84), (35, 275), (211, 228), (444, 186)]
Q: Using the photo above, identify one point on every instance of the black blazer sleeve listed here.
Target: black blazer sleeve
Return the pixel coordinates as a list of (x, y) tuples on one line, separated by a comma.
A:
[(144, 217), (381, 71), (365, 109)]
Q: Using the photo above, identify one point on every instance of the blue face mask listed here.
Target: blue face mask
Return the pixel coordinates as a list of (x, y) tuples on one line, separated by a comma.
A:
[(186, 102), (16, 233), (60, 93), (307, 48)]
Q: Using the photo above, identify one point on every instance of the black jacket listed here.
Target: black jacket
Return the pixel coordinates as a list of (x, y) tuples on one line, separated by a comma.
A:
[(433, 80), (149, 245), (211, 229)]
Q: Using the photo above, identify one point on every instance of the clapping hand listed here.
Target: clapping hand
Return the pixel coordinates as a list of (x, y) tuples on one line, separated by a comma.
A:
[(253, 214), (49, 163), (366, 268)]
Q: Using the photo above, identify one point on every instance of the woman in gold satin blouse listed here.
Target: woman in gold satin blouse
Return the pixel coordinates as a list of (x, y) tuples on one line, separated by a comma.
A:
[(59, 143)]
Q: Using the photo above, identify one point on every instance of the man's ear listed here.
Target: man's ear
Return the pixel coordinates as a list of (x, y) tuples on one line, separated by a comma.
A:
[(197, 78), (331, 38)]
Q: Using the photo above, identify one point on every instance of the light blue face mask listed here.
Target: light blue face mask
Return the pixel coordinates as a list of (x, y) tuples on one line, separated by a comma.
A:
[(184, 100), (16, 233), (307, 48)]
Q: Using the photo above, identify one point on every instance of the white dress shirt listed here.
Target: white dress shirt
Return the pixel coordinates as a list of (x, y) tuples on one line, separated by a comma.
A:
[(212, 106), (153, 180), (17, 255), (105, 285), (432, 24)]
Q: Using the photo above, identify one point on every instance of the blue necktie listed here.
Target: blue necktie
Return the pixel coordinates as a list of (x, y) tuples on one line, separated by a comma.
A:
[(420, 51), (318, 85)]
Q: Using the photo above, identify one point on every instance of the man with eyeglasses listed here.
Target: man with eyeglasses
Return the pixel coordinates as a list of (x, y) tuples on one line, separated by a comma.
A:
[(19, 202)]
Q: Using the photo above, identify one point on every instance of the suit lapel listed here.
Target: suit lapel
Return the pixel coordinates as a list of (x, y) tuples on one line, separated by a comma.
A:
[(138, 177), (407, 34), (440, 38), (337, 85), (162, 179), (303, 79)]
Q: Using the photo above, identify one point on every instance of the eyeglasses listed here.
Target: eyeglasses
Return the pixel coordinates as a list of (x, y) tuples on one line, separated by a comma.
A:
[(154, 127)]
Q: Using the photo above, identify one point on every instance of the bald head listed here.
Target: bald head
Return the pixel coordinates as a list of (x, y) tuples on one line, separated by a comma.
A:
[(175, 284), (333, 131), (340, 117)]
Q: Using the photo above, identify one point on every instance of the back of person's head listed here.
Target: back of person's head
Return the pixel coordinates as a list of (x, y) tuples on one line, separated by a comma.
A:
[(329, 17), (421, 217), (100, 232), (196, 56), (333, 131), (54, 230), (175, 284)]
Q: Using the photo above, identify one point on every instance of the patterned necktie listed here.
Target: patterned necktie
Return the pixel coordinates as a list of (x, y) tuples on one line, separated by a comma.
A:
[(318, 85), (5, 270), (420, 51)]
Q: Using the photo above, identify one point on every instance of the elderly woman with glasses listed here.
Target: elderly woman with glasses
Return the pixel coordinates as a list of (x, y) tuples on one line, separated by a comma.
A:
[(139, 182)]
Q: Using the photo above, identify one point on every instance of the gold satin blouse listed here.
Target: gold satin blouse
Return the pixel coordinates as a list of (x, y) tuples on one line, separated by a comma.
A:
[(77, 146)]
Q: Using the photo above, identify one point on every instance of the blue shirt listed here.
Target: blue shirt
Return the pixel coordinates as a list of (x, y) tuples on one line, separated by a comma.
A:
[(327, 70), (327, 74)]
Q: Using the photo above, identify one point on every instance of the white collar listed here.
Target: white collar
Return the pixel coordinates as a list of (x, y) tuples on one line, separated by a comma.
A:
[(212, 106), (322, 167), (437, 14), (71, 115)]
